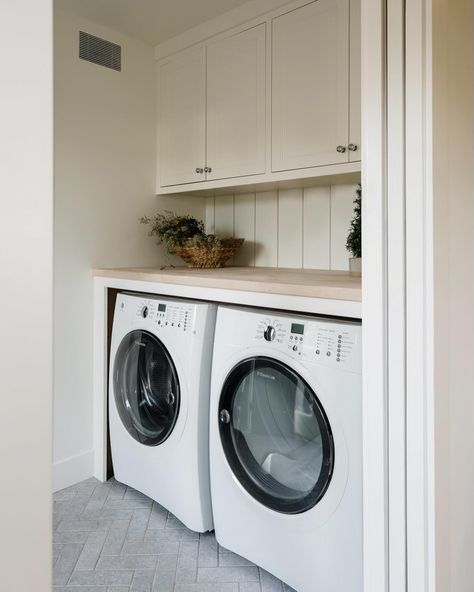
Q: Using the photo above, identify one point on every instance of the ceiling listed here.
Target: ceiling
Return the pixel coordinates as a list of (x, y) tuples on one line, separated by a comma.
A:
[(152, 21)]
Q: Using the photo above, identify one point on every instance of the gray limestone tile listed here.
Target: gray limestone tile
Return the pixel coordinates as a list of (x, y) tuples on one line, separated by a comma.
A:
[(91, 551), (142, 580), (185, 575), (287, 588), (138, 524), (150, 548), (115, 589), (165, 573), (128, 504), (173, 522), (65, 563), (115, 537), (229, 559), (133, 494), (249, 587), (118, 562), (188, 554), (179, 534), (70, 537), (113, 514), (228, 574), (83, 525), (81, 589), (269, 583), (101, 578), (158, 517), (64, 496), (208, 550), (204, 587)]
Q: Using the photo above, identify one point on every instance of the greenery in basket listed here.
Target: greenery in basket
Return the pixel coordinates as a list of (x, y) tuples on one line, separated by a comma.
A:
[(173, 230), (354, 239)]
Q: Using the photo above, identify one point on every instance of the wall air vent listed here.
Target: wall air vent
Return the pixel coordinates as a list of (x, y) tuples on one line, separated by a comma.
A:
[(99, 51)]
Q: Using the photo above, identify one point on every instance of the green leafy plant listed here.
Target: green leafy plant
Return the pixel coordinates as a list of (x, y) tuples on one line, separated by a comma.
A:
[(354, 238), (174, 230)]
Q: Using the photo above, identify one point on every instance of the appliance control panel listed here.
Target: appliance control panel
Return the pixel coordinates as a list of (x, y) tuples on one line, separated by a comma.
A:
[(313, 340), (161, 314)]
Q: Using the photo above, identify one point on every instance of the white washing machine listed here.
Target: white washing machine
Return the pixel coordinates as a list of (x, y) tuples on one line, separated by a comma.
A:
[(159, 383), (285, 446)]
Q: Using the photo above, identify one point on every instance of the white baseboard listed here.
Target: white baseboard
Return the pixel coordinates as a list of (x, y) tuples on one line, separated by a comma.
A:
[(72, 470)]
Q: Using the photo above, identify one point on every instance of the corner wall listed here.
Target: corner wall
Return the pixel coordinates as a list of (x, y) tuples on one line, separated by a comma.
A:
[(26, 232), (104, 181)]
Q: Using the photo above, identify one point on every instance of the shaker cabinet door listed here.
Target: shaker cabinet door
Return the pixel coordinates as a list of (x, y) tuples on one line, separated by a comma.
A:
[(236, 105), (182, 119), (310, 86)]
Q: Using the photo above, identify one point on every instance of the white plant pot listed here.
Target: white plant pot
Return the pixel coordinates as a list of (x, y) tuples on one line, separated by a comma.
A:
[(355, 266)]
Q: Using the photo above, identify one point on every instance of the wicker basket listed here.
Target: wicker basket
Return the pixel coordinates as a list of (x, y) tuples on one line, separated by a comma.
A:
[(208, 257)]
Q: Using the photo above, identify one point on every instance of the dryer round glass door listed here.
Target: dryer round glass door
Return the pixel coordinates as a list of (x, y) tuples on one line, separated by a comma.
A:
[(275, 435), (146, 388)]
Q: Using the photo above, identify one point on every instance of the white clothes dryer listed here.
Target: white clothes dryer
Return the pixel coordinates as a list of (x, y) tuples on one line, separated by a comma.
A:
[(285, 446), (159, 384)]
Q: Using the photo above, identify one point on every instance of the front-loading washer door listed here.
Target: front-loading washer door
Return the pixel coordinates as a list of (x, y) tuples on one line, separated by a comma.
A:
[(146, 388), (275, 435)]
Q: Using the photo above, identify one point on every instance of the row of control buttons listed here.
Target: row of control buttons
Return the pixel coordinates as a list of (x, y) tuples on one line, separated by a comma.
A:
[(296, 338)]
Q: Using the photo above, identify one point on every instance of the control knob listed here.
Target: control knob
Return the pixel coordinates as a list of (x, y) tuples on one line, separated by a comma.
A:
[(269, 333)]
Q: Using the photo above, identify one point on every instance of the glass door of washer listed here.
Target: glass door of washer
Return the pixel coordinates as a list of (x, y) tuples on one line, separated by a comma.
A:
[(146, 388), (276, 435)]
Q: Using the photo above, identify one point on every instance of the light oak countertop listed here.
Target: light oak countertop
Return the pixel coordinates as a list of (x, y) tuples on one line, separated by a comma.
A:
[(337, 285)]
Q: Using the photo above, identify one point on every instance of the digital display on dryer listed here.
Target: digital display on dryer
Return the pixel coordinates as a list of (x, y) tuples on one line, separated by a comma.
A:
[(161, 307), (297, 328)]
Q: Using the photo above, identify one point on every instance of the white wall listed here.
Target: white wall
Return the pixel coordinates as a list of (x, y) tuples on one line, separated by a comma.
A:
[(104, 181), (26, 211), (453, 163), (303, 228)]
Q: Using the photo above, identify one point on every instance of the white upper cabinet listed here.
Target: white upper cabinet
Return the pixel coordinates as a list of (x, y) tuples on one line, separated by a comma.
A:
[(236, 105), (310, 86), (355, 83), (182, 118)]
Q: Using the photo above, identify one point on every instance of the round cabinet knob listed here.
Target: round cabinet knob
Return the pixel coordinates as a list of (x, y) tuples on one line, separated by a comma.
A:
[(269, 333), (208, 169), (199, 171), (341, 149), (224, 416), (353, 147)]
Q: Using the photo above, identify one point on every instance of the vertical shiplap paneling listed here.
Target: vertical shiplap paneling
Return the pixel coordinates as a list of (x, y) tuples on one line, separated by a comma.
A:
[(210, 209), (316, 227), (244, 227), (266, 229), (224, 218), (224, 215), (290, 228), (342, 208)]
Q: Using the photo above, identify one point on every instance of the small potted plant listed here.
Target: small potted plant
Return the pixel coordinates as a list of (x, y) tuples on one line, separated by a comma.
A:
[(185, 236), (354, 239)]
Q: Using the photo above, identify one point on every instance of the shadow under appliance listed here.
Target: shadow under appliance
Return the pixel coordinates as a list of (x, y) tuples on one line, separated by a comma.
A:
[(286, 446), (160, 365)]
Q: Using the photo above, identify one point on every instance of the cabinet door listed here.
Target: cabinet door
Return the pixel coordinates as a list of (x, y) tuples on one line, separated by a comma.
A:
[(355, 82), (182, 118), (236, 105), (310, 86)]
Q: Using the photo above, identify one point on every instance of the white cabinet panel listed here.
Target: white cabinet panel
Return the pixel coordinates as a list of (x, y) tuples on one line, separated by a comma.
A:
[(310, 85), (342, 211), (266, 229), (290, 228), (236, 105), (316, 227), (355, 81), (244, 227), (182, 118)]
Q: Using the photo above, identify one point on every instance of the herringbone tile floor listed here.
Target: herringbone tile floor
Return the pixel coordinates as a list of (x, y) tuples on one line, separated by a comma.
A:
[(110, 538)]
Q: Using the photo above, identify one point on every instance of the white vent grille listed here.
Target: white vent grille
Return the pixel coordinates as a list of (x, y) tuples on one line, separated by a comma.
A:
[(99, 51)]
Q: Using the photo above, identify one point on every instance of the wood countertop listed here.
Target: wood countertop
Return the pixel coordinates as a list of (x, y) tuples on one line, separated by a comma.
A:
[(337, 285)]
